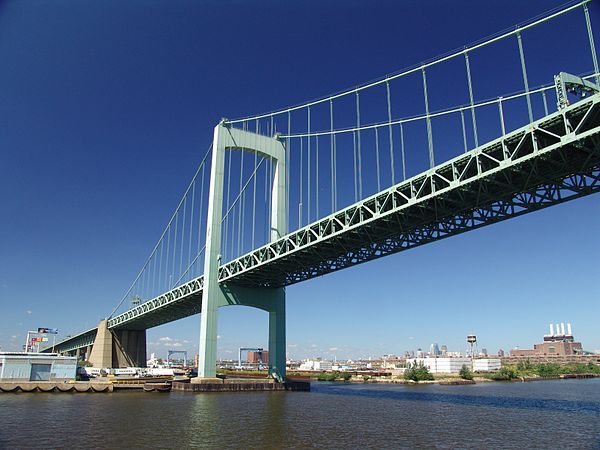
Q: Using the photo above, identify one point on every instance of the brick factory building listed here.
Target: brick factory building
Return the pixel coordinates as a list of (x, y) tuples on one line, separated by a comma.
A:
[(254, 357), (559, 343)]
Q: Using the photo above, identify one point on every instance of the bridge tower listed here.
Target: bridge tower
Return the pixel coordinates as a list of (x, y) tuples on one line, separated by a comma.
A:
[(216, 295)]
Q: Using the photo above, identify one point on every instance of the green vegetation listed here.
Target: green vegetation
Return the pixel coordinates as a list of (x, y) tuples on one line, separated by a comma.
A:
[(334, 376), (465, 373), (417, 372), (346, 376), (544, 370), (504, 374)]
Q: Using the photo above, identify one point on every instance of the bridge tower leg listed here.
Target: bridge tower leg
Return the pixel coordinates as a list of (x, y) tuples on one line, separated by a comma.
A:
[(215, 295)]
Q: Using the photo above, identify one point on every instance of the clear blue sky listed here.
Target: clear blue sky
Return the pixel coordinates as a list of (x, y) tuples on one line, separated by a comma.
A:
[(106, 109)]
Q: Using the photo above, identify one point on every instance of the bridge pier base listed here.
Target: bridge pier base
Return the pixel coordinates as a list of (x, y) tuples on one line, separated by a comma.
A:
[(121, 348), (271, 300)]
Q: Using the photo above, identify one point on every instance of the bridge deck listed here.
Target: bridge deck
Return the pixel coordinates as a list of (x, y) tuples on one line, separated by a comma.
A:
[(553, 160)]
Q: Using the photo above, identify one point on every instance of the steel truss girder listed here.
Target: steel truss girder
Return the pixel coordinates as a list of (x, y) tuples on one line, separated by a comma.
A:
[(550, 161), (478, 186), (80, 340)]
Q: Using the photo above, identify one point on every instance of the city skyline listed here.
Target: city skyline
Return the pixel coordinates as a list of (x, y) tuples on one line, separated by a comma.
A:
[(79, 221)]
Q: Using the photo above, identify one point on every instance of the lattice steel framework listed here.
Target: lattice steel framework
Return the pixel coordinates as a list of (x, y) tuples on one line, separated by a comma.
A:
[(546, 163)]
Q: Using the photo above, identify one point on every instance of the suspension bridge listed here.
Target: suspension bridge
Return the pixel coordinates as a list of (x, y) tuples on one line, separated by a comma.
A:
[(383, 167)]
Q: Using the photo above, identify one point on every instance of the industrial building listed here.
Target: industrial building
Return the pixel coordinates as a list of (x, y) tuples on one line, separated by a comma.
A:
[(559, 342), (316, 365), (453, 365), (18, 366), (258, 357)]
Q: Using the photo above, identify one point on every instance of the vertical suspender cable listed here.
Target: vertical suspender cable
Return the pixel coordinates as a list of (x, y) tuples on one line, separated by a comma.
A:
[(402, 151), (316, 177), (355, 167), (464, 129), (169, 252), (301, 175), (389, 110), (174, 249), (159, 280), (471, 98), (428, 120), (191, 223), (545, 102), (591, 38), (254, 193), (270, 203), (360, 190), (308, 168), (224, 252), (288, 159), (377, 158), (239, 231), (501, 113), (182, 239), (332, 138), (200, 218), (525, 82)]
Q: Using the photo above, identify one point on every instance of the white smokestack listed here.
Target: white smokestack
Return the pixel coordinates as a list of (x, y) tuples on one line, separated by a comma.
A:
[(569, 332), (562, 326), (557, 329), (551, 330)]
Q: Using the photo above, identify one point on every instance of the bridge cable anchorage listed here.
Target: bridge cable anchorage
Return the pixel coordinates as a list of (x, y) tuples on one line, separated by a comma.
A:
[(525, 81), (588, 24), (471, 98), (550, 15), (428, 121), (389, 111)]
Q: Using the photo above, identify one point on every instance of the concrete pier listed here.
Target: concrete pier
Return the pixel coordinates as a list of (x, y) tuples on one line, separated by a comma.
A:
[(54, 386), (239, 384)]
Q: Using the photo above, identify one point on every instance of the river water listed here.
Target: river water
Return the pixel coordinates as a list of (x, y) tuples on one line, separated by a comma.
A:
[(546, 414)]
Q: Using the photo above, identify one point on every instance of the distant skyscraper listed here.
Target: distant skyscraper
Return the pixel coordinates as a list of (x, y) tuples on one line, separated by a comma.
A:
[(434, 350), (444, 350), (501, 353)]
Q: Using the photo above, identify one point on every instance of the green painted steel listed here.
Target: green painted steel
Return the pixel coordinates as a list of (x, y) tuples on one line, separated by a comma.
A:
[(551, 161)]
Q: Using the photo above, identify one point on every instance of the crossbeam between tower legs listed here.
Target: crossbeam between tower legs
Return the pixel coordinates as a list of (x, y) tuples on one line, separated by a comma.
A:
[(227, 138)]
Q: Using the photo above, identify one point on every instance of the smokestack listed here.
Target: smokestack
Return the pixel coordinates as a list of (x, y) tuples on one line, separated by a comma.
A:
[(557, 329), (569, 332), (551, 330), (562, 326)]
